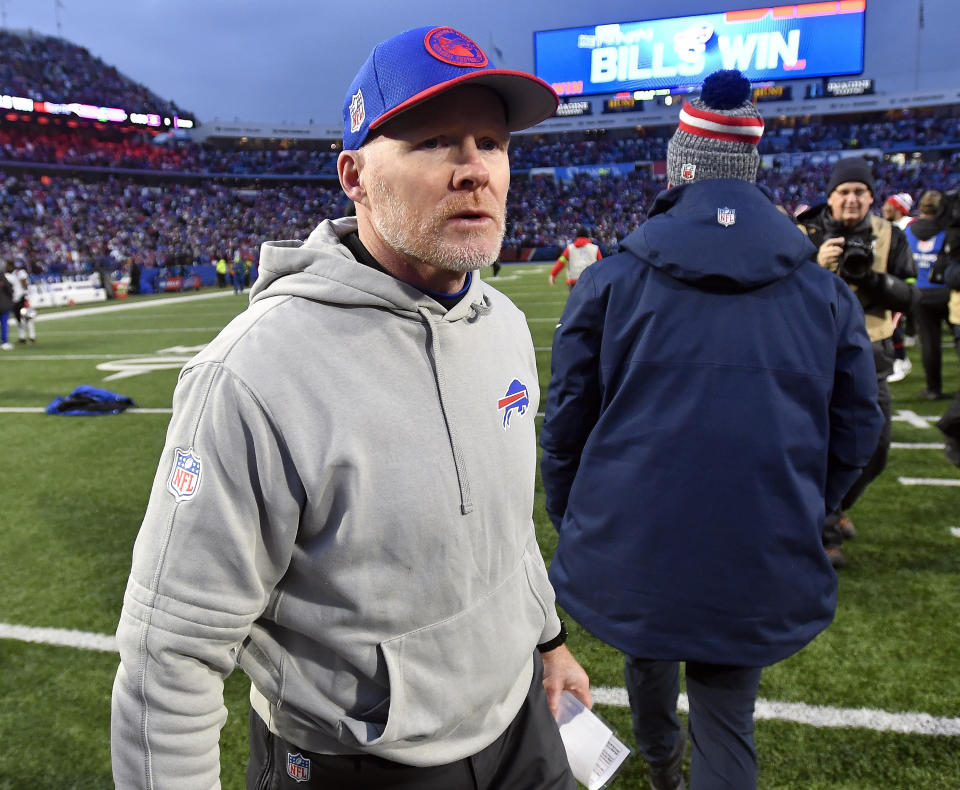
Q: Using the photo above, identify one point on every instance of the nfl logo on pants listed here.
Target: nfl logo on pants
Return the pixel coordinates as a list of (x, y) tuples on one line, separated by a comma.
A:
[(298, 767)]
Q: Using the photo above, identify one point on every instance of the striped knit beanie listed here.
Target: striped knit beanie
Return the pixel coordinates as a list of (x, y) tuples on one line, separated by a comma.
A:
[(718, 133)]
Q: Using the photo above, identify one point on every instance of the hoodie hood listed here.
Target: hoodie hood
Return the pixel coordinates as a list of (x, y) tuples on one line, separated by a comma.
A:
[(723, 234), (924, 228), (322, 268)]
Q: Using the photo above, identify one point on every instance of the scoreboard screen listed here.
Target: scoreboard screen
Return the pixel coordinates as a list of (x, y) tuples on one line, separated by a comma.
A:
[(774, 43)]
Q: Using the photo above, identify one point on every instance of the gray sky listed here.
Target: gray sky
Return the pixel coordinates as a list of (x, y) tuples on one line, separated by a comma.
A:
[(292, 60)]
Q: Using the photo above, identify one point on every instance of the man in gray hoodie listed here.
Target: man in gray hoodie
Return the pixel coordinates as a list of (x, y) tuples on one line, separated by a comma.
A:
[(343, 507)]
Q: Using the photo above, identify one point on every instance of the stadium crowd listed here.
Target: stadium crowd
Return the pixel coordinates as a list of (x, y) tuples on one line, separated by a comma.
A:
[(59, 224), (70, 200), (68, 225), (25, 144), (50, 69), (568, 149)]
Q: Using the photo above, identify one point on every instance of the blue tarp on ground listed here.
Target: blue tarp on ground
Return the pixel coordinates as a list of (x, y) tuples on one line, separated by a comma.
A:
[(86, 401)]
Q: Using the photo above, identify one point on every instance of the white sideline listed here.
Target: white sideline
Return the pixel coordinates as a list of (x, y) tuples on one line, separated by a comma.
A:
[(798, 712), (127, 306), (929, 481), (42, 410), (818, 715)]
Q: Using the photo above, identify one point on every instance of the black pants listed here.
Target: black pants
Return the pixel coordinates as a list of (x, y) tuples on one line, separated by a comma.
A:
[(931, 315), (529, 755), (950, 421), (878, 461)]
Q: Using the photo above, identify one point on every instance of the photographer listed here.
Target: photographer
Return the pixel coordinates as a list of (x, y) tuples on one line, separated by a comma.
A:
[(872, 255), (948, 219), (932, 247)]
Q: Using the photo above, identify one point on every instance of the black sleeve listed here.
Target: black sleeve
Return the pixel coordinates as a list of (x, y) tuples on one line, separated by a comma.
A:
[(900, 261), (951, 275)]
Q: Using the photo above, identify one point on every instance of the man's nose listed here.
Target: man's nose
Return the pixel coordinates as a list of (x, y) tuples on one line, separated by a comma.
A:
[(470, 171)]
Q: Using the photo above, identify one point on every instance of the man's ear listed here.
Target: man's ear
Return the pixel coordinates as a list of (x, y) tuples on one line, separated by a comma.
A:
[(349, 165)]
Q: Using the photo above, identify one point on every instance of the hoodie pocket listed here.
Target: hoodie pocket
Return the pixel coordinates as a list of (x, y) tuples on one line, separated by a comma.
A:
[(456, 672)]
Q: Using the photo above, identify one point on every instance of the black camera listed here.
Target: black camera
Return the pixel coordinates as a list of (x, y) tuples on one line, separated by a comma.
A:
[(856, 260)]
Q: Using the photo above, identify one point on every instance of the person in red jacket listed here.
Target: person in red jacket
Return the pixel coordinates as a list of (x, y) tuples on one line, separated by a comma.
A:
[(576, 256)]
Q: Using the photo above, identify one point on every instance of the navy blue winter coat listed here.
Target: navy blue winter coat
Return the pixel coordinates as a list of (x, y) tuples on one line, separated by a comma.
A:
[(713, 395)]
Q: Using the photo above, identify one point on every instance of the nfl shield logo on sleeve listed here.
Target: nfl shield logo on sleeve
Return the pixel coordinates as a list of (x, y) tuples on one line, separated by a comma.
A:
[(185, 475), (726, 216), (298, 767)]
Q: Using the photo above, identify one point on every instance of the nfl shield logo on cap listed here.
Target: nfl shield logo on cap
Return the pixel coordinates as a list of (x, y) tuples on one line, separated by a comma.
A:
[(688, 172), (357, 113), (726, 216), (298, 767)]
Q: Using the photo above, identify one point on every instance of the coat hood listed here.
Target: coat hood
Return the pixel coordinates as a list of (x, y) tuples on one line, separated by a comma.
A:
[(924, 228), (723, 234), (322, 268)]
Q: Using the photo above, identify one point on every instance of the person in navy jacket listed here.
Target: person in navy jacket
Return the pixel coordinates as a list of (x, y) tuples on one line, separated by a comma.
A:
[(712, 397)]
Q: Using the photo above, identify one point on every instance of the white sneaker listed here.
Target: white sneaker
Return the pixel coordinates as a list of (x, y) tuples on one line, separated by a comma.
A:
[(7, 347), (901, 369)]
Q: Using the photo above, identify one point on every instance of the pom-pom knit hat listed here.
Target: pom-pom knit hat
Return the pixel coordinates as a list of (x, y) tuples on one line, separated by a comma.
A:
[(902, 202), (718, 133), (418, 64)]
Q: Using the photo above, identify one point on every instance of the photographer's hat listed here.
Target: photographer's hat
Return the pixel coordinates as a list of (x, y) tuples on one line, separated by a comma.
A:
[(852, 168), (718, 133), (418, 64)]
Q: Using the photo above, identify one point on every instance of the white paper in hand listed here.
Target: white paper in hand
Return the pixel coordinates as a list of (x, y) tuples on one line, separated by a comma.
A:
[(594, 751)]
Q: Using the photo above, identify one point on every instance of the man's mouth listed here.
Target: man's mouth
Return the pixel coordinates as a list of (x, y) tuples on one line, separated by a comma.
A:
[(471, 215)]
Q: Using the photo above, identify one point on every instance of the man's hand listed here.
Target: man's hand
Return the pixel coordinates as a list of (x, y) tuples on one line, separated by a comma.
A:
[(829, 253), (561, 671), (553, 278)]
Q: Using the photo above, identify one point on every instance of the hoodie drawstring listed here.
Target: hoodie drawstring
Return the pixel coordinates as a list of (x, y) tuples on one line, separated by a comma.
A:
[(466, 501)]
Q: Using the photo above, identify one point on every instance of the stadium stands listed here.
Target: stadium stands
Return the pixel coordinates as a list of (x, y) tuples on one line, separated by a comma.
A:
[(45, 68), (78, 196)]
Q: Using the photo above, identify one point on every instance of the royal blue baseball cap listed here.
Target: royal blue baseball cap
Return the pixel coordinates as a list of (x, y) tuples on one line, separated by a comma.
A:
[(416, 65)]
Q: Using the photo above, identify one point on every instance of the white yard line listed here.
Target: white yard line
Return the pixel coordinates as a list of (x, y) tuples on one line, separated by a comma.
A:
[(928, 481), (799, 712), (62, 357), (818, 715), (62, 637), (916, 445), (42, 410), (911, 418), (128, 306)]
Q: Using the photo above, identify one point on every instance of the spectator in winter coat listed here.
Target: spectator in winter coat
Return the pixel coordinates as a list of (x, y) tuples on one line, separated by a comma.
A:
[(712, 397)]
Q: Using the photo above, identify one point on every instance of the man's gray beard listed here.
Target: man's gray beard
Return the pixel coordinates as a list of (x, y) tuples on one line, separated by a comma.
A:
[(425, 243)]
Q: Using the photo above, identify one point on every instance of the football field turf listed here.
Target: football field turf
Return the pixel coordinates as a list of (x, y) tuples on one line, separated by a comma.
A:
[(872, 704)]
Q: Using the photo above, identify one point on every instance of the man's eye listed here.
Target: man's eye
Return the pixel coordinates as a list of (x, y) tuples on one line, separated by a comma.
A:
[(432, 143)]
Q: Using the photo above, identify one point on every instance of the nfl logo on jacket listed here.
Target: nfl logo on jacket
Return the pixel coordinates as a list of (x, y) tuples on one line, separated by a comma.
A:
[(298, 767), (726, 216)]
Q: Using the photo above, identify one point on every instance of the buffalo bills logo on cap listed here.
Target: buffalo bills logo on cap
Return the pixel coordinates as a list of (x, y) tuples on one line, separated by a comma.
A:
[(298, 767), (357, 112), (515, 401), (185, 475), (726, 216), (451, 46)]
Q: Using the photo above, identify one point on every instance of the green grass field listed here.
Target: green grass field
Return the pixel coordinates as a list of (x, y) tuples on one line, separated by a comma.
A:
[(74, 491)]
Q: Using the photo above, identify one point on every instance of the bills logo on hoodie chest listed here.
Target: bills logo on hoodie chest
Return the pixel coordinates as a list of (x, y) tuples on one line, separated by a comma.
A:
[(515, 402)]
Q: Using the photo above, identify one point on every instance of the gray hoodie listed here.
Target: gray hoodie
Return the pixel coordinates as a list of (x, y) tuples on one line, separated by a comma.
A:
[(343, 509)]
